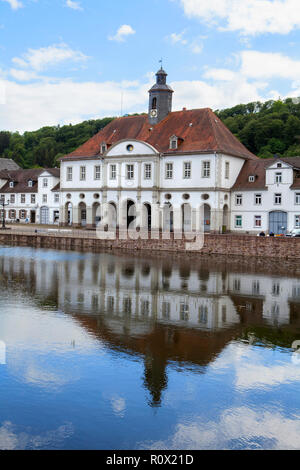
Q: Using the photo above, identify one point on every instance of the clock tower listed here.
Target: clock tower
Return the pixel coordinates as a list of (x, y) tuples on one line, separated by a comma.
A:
[(160, 98)]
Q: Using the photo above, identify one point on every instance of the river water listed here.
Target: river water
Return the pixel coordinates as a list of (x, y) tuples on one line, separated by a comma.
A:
[(103, 351)]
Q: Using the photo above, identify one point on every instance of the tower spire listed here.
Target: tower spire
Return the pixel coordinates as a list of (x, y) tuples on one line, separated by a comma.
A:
[(160, 97)]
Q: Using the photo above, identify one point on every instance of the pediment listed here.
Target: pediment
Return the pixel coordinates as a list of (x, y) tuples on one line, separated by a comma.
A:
[(129, 148)]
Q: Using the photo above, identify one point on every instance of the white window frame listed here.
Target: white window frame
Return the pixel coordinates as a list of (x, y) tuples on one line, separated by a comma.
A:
[(33, 198), (169, 170), (130, 171), (56, 197), (297, 198), (278, 177), (12, 199), (297, 221), (174, 143), (30, 184), (11, 184), (257, 218), (277, 196), (97, 172), (206, 169), (187, 170), (251, 178), (147, 171), (238, 199), (257, 197), (227, 170), (23, 198), (69, 173), (82, 173), (113, 172), (45, 182), (240, 218), (45, 199)]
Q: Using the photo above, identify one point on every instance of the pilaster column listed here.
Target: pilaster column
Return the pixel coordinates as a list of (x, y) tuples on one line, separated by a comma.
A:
[(216, 220), (89, 217), (76, 217)]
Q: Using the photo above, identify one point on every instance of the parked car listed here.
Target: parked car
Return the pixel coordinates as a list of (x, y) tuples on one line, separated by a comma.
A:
[(294, 233)]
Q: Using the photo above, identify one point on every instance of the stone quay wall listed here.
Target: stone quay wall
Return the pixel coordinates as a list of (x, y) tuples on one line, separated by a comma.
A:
[(214, 244)]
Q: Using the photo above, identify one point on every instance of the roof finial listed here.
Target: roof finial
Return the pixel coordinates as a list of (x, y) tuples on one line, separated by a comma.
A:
[(161, 63)]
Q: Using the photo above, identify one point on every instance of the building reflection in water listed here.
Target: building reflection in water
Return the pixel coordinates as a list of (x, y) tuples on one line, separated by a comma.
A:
[(165, 311)]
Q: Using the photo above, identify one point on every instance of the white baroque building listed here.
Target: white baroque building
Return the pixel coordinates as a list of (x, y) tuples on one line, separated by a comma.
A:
[(161, 159), (30, 196)]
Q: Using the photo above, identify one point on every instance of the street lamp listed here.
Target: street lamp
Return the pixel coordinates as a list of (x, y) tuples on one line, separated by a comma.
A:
[(3, 204)]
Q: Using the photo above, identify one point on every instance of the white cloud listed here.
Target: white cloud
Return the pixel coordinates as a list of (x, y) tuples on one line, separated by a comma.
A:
[(2, 92), (30, 106), (178, 38), (23, 75), (124, 31), (220, 74), (15, 4), (250, 17), (73, 5), (40, 59), (195, 45), (250, 429), (255, 64), (12, 438)]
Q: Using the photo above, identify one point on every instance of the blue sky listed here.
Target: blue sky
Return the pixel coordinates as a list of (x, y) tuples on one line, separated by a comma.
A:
[(64, 61)]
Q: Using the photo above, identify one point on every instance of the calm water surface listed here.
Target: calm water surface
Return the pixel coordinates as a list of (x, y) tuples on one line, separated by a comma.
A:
[(112, 352)]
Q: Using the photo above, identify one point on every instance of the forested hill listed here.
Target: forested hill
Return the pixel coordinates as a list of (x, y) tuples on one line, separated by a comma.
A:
[(45, 146), (265, 129)]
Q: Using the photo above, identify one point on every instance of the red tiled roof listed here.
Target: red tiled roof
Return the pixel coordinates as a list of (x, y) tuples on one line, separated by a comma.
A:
[(255, 168), (258, 168), (21, 178), (200, 130)]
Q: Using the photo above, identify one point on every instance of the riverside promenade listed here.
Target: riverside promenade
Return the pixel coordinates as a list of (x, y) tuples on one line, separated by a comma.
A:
[(87, 240)]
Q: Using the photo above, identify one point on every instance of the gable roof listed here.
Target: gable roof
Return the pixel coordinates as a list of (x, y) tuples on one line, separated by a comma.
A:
[(258, 169), (255, 168), (200, 130), (21, 177), (8, 164)]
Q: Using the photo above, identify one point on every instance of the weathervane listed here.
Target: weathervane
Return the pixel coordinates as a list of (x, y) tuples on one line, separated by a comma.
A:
[(161, 62)]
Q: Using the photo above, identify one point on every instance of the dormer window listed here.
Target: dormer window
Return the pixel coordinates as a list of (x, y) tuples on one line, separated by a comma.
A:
[(279, 165), (103, 147), (30, 183), (251, 179), (11, 184), (173, 142)]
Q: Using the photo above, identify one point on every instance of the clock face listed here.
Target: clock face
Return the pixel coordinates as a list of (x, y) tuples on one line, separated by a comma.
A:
[(153, 112)]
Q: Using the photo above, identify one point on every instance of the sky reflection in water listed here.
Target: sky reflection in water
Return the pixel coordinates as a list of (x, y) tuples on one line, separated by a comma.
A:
[(107, 351)]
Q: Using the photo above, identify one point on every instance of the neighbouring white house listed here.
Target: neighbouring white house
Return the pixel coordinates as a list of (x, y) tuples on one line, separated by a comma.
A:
[(30, 196), (266, 196)]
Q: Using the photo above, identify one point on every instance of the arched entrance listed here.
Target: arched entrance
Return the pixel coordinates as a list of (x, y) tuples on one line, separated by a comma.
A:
[(44, 215), (207, 217), (148, 221), (131, 213), (96, 213), (82, 214), (278, 222), (68, 213)]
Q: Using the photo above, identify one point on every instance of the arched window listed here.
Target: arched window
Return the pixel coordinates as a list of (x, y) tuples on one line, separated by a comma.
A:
[(154, 103)]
